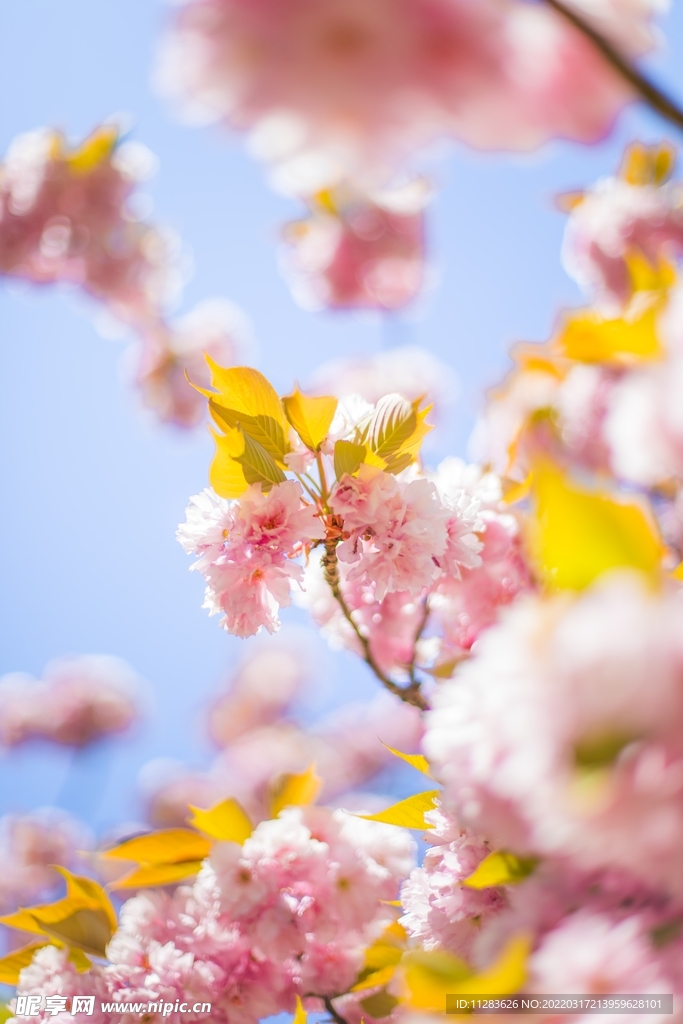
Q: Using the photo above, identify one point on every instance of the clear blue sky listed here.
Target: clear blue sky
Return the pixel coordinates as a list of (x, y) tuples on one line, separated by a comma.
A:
[(92, 493)]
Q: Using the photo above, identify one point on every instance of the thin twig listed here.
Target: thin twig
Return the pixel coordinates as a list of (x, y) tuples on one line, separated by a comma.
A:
[(411, 694), (336, 1017), (647, 90), (416, 639)]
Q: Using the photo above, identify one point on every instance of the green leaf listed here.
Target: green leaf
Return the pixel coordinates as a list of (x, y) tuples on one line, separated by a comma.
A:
[(348, 458), (310, 417), (409, 813), (500, 868)]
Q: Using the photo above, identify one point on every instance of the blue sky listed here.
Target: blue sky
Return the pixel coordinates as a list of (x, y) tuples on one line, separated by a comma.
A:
[(92, 493)]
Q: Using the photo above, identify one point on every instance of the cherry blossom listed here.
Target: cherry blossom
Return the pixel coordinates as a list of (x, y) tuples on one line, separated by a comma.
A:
[(243, 550), (547, 743), (337, 90), (356, 252), (77, 701)]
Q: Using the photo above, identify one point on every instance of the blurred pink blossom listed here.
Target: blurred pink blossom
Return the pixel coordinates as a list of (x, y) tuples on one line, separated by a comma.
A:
[(339, 89), (562, 735), (77, 700), (358, 252), (30, 844), (69, 215)]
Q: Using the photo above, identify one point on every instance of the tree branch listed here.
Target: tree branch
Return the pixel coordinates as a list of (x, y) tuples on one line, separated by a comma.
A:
[(336, 1017), (647, 90), (411, 694)]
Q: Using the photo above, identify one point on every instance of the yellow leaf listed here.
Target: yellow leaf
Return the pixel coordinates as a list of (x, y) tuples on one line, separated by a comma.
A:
[(226, 475), (578, 534), (396, 432), (393, 423), (97, 148), (428, 977), (348, 457), (648, 165), (418, 761), (505, 976), (388, 949), (170, 846), (589, 338), (300, 1015), (295, 790), (227, 821), (677, 574), (149, 875), (380, 977), (13, 963), (500, 868), (84, 918), (85, 929), (246, 399), (81, 962), (379, 1005), (21, 921), (310, 417), (240, 461), (407, 813)]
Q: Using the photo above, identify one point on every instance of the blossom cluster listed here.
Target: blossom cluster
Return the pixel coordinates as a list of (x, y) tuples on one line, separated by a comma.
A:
[(76, 701), (30, 846), (288, 912), (558, 743), (404, 566), (338, 90), (74, 216)]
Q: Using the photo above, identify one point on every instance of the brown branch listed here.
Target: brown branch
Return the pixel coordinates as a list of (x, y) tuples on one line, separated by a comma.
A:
[(336, 1017), (416, 639), (647, 90), (411, 694)]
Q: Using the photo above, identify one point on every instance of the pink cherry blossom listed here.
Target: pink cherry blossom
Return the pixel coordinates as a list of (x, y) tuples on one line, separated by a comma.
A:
[(77, 701), (172, 353), (30, 844), (65, 219), (438, 911), (358, 252), (589, 953), (337, 89), (69, 216), (560, 736), (395, 530), (245, 550), (616, 220)]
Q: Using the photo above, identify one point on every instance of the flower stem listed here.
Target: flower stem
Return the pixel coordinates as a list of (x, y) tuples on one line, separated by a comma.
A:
[(418, 634), (647, 90), (410, 694), (336, 1017)]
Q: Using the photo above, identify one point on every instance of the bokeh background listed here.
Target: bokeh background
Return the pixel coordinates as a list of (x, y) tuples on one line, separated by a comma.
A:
[(92, 490)]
